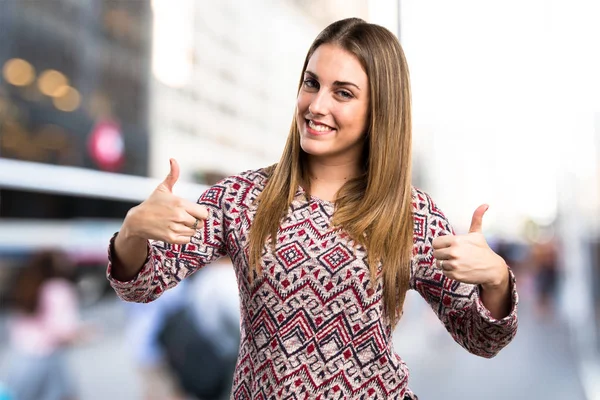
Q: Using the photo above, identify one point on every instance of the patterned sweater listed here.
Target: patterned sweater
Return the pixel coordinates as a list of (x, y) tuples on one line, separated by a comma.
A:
[(312, 325)]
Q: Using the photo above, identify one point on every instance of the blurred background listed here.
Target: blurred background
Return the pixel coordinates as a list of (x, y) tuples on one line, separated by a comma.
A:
[(97, 95)]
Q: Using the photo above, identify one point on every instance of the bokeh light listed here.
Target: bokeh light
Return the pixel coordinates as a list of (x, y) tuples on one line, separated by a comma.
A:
[(18, 72), (53, 83), (69, 99)]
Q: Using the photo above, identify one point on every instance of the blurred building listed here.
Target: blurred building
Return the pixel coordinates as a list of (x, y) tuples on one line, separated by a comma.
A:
[(74, 92), (95, 96), (225, 76), (74, 104), (510, 117)]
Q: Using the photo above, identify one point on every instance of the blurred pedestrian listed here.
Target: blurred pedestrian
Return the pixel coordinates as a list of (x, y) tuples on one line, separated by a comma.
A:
[(44, 323), (201, 340), (544, 258), (215, 299), (326, 243), (144, 324)]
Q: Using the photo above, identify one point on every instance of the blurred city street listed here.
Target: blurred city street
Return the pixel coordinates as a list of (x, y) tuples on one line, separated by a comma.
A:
[(538, 364), (97, 96)]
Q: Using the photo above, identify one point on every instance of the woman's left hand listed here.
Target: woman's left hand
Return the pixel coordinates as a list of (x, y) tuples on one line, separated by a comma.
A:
[(468, 258)]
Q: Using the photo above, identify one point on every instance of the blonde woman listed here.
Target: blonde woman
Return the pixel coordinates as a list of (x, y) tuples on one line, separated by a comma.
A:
[(326, 242)]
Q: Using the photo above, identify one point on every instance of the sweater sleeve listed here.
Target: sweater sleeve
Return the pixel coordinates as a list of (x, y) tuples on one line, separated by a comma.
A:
[(167, 264), (458, 305)]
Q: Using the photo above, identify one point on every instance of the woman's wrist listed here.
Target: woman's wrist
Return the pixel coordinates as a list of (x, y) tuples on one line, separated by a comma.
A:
[(129, 251), (501, 280), (127, 230)]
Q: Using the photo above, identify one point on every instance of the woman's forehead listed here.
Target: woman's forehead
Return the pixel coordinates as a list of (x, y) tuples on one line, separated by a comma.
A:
[(331, 62)]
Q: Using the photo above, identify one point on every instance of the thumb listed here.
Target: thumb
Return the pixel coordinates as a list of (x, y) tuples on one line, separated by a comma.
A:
[(173, 176), (477, 220)]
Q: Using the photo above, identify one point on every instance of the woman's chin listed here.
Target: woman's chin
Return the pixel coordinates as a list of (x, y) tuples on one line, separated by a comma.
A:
[(314, 149)]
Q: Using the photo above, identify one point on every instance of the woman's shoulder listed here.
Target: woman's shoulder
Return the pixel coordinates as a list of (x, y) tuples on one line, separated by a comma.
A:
[(424, 205), (241, 188), (421, 200), (252, 178), (429, 218)]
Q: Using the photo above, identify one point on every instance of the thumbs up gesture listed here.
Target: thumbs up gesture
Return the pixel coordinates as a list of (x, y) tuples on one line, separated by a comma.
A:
[(468, 258), (164, 216)]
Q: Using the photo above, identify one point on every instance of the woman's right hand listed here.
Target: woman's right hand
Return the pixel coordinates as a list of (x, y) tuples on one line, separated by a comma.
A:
[(164, 216)]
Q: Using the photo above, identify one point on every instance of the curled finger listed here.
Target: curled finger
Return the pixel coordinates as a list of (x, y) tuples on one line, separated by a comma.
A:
[(196, 210), (182, 240), (445, 265), (443, 254), (187, 220), (184, 230), (188, 239)]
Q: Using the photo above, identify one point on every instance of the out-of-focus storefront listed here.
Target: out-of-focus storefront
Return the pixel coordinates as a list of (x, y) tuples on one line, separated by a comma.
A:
[(74, 97), (73, 92), (96, 95)]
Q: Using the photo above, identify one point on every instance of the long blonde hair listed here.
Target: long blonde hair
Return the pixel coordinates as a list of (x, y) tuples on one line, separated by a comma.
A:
[(375, 209)]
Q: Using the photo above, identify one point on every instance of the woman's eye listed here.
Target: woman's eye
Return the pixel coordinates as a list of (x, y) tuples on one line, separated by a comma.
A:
[(311, 83), (345, 94)]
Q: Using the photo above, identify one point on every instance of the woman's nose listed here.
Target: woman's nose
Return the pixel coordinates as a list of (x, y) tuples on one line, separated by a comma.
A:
[(319, 104)]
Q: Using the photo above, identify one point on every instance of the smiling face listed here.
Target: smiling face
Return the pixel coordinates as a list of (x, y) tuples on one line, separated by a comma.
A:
[(333, 106)]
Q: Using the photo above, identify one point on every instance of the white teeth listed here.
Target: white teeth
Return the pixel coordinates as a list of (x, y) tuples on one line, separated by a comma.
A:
[(319, 128)]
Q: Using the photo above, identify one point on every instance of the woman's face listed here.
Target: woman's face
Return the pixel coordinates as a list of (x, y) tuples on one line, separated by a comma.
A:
[(333, 106)]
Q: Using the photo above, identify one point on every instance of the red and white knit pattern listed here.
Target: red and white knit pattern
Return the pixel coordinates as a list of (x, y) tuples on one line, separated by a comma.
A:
[(313, 325)]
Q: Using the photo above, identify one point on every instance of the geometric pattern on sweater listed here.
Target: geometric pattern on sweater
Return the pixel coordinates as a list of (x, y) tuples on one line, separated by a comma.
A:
[(313, 324)]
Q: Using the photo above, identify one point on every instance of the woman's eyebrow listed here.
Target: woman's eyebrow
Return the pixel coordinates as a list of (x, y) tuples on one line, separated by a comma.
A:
[(336, 83)]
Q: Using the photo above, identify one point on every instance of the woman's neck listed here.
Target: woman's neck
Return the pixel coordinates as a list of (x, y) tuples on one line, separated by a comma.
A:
[(333, 173), (327, 179)]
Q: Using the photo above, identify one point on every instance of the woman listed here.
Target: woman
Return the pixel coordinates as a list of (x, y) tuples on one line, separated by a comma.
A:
[(326, 243), (44, 324)]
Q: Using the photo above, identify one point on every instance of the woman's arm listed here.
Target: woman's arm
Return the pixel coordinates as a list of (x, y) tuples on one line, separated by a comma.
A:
[(496, 297), (164, 240), (461, 307), (129, 255)]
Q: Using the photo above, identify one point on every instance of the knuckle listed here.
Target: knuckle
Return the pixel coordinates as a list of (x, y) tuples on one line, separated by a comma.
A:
[(450, 275), (183, 215), (172, 238), (175, 202), (134, 210), (454, 253)]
